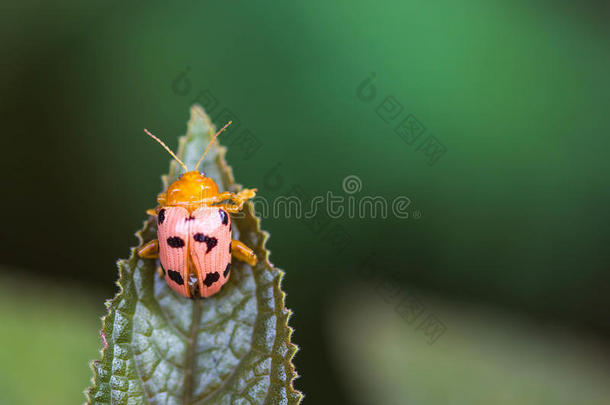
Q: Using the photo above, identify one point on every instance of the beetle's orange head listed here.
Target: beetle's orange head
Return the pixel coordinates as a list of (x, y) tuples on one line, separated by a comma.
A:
[(193, 187), (190, 190)]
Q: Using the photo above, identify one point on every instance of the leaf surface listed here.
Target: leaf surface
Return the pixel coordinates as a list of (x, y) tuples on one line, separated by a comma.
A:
[(231, 348)]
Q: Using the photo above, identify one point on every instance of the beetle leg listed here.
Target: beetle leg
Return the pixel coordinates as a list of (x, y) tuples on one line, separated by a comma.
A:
[(238, 200), (227, 195), (242, 252), (149, 250), (161, 199), (245, 195)]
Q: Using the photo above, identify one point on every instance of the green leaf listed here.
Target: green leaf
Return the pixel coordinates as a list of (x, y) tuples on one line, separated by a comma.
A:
[(232, 348)]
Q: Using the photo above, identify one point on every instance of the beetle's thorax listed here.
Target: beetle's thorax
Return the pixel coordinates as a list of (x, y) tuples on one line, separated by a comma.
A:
[(191, 191)]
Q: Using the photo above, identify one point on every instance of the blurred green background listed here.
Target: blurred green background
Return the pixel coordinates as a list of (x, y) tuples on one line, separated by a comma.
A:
[(507, 237)]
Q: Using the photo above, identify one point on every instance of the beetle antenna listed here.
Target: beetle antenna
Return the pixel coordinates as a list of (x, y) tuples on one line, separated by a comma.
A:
[(211, 142), (167, 149)]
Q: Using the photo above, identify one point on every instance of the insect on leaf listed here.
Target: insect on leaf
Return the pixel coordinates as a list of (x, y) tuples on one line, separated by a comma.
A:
[(231, 348)]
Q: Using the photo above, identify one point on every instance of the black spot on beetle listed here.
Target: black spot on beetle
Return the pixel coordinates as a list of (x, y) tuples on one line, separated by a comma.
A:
[(211, 278), (227, 270), (223, 216), (175, 241), (191, 218), (161, 216), (175, 276), (230, 249), (210, 241)]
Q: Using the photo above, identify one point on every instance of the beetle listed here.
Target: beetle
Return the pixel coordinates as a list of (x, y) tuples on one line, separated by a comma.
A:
[(194, 236)]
